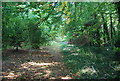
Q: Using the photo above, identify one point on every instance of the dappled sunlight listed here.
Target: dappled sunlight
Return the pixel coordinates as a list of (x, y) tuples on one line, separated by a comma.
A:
[(36, 65), (117, 68), (78, 50), (47, 73), (71, 45), (34, 51), (60, 40), (29, 64), (44, 51), (90, 62), (75, 54), (39, 73), (52, 78), (71, 49), (10, 75), (66, 49), (88, 70), (66, 77)]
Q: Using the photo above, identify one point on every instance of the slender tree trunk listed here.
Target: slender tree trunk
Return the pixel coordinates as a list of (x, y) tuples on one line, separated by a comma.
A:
[(17, 48), (111, 29), (117, 42), (117, 4), (105, 29), (118, 10)]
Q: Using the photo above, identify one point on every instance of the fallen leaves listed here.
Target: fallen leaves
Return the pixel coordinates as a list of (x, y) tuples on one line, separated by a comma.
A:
[(40, 65)]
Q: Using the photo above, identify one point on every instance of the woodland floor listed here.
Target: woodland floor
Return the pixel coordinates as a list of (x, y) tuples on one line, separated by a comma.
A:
[(34, 64), (56, 62)]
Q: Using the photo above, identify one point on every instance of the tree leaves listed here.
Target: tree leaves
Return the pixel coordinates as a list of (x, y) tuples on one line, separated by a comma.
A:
[(68, 21), (52, 16)]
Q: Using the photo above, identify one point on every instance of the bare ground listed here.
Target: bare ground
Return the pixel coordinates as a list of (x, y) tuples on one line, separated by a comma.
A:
[(34, 64)]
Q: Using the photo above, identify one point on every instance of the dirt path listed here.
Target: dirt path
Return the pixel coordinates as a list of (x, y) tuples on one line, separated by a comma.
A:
[(34, 64)]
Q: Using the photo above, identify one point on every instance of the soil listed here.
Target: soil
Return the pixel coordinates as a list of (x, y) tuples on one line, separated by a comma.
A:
[(34, 64)]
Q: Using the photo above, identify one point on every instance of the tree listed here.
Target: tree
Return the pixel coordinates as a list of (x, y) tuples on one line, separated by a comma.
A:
[(15, 32)]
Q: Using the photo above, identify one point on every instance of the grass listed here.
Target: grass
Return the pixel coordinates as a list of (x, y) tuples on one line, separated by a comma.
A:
[(90, 62)]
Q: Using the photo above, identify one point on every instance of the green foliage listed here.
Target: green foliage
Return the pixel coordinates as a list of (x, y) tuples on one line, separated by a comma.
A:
[(13, 32), (31, 25), (96, 21)]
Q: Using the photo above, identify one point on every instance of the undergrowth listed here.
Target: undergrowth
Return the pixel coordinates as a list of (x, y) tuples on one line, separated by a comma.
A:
[(90, 62)]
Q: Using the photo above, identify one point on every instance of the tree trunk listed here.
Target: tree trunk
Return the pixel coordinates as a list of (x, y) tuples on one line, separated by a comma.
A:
[(111, 29), (105, 29), (117, 43), (118, 10), (17, 48)]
